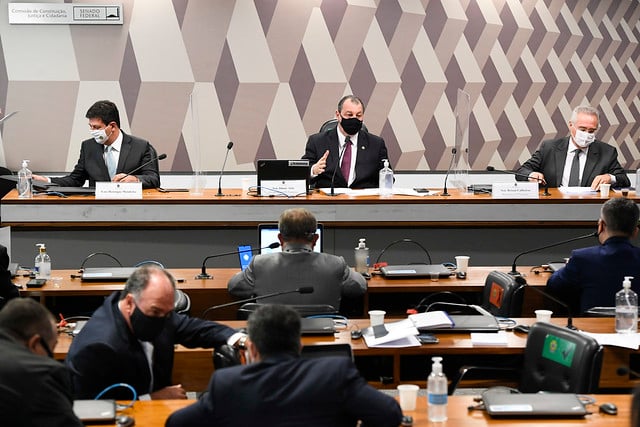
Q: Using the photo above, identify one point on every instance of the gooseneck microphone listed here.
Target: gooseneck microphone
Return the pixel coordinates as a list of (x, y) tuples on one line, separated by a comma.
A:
[(203, 274), (540, 181), (302, 290), (514, 272), (625, 370), (523, 281), (160, 157), (333, 176), (229, 147), (453, 157)]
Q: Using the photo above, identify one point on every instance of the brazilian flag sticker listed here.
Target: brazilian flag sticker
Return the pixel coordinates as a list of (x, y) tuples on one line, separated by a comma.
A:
[(559, 350)]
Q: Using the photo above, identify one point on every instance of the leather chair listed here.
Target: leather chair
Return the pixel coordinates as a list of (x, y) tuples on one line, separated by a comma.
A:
[(502, 295), (304, 310), (333, 123), (181, 301)]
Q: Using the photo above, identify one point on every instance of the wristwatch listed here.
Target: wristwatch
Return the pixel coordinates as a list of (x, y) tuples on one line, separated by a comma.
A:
[(241, 343)]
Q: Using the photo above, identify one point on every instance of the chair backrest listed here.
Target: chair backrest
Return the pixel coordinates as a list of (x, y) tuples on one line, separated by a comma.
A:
[(559, 359), (333, 123), (502, 295), (303, 309)]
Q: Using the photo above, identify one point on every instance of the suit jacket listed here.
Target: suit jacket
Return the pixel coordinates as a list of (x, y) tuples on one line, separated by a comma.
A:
[(7, 289), (35, 390), (286, 390), (329, 275), (106, 352), (371, 152), (551, 156), (593, 275), (134, 153)]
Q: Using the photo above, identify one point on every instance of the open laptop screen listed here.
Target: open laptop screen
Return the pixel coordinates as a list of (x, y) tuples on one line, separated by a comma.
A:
[(268, 233)]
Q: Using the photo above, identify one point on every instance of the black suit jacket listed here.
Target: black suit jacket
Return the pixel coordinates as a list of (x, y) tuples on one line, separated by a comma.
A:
[(7, 289), (106, 351), (552, 154), (134, 152), (285, 390), (371, 152)]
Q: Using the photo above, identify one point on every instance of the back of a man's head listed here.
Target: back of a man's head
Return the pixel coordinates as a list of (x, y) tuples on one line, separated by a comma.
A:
[(23, 318), (275, 329), (297, 224), (620, 215)]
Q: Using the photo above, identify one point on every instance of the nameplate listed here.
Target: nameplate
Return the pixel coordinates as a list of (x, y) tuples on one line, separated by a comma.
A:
[(515, 190), (118, 190), (283, 187), (65, 13)]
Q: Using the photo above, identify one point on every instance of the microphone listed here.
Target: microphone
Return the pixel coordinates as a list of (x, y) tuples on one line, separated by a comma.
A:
[(523, 281), (453, 157), (160, 157), (229, 146), (203, 274), (302, 290), (514, 272), (333, 176), (6, 116), (540, 181), (626, 370)]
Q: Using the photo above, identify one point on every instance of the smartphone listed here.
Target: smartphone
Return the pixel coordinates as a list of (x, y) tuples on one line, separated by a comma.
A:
[(245, 253), (36, 283), (426, 338), (421, 190)]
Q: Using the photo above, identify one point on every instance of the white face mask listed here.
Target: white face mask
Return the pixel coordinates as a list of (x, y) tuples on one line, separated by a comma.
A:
[(100, 135), (584, 139)]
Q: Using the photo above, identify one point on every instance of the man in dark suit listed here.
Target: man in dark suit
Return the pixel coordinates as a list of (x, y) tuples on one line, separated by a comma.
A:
[(278, 388), (131, 338), (593, 162), (593, 275), (110, 146), (298, 265), (358, 162), (35, 389), (7, 289)]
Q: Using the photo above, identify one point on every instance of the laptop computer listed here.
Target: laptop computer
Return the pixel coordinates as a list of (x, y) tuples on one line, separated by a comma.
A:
[(283, 177), (95, 411), (44, 187), (499, 403), (414, 270), (555, 266), (467, 323), (317, 326), (268, 233), (107, 274)]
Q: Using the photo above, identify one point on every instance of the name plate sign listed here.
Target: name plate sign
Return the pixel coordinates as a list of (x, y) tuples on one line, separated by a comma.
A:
[(515, 190), (65, 13), (285, 187), (118, 190)]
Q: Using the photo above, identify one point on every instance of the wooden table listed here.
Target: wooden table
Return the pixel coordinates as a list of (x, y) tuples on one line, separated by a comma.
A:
[(154, 413)]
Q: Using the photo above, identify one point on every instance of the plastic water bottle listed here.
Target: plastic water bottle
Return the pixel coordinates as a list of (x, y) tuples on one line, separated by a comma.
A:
[(385, 182), (362, 257), (42, 262), (626, 309), (25, 190), (437, 392)]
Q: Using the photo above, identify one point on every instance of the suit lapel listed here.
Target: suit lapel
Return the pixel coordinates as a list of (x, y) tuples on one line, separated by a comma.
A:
[(592, 158), (125, 148), (362, 150), (98, 158), (560, 158)]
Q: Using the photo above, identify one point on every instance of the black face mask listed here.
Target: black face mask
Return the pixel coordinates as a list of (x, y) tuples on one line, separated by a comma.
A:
[(146, 328), (351, 125), (46, 347)]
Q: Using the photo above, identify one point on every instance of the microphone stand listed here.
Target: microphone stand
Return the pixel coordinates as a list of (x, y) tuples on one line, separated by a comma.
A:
[(333, 176), (453, 157), (229, 146), (303, 290), (552, 298), (203, 274), (155, 159), (540, 181)]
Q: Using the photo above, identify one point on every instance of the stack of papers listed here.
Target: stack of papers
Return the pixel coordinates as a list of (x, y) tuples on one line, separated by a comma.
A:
[(392, 335), (491, 338), (431, 320), (631, 341)]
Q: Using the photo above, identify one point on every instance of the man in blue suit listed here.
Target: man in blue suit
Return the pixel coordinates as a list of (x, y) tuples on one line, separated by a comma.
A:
[(109, 145), (593, 275), (353, 154), (278, 388)]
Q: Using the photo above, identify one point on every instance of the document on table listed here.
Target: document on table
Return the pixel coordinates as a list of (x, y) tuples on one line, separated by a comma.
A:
[(398, 334), (491, 339), (631, 341), (431, 319), (577, 190)]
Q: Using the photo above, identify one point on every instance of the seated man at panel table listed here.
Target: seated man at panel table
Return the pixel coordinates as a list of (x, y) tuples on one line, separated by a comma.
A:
[(578, 160), (593, 275), (298, 266), (278, 387), (7, 289), (359, 152), (110, 154), (35, 389), (131, 337)]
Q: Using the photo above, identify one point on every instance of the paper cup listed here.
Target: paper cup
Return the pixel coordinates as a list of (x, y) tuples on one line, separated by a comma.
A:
[(408, 395), (604, 190), (246, 184), (543, 315), (462, 263), (376, 317)]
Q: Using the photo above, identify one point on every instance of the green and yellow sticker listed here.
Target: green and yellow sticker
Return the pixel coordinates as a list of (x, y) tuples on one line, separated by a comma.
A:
[(559, 350)]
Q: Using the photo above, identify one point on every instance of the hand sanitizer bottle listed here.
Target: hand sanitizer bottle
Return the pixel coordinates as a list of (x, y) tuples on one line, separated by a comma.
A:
[(437, 392), (626, 309), (42, 263), (25, 190), (385, 181), (362, 257)]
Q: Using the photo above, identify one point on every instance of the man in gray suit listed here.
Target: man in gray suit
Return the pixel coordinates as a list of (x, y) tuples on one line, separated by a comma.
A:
[(578, 160), (298, 265)]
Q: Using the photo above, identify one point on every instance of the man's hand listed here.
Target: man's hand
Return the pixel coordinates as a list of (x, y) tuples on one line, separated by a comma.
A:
[(171, 392), (39, 178), (123, 177), (319, 167), (537, 177), (600, 179)]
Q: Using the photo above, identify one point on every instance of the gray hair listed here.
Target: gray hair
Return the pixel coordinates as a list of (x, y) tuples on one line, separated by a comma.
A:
[(584, 109), (139, 279)]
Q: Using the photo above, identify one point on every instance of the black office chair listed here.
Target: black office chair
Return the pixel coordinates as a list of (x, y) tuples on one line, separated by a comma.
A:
[(333, 123), (305, 310), (502, 295), (181, 301), (556, 359)]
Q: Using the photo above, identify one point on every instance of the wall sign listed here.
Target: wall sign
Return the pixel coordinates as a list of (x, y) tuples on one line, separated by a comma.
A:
[(65, 13)]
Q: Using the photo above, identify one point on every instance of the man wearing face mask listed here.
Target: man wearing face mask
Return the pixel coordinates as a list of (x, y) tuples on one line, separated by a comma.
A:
[(578, 160), (36, 389), (131, 337), (110, 153), (353, 154)]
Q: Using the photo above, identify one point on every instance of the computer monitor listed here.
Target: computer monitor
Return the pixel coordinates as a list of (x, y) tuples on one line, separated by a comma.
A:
[(268, 233)]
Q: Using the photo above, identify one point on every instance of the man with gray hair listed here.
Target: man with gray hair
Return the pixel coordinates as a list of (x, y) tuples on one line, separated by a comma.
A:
[(577, 160)]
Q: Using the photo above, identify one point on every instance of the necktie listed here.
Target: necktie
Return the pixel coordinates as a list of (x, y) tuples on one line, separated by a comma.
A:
[(110, 161), (574, 175), (345, 166)]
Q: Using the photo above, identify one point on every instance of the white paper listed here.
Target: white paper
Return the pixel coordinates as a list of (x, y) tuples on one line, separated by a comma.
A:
[(481, 338), (397, 331), (431, 319), (631, 341), (577, 190), (118, 190), (412, 192)]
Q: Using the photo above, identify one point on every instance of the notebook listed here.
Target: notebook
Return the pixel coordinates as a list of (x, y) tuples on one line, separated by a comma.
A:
[(317, 326), (414, 270), (283, 177), (268, 233), (107, 274), (95, 411), (499, 403)]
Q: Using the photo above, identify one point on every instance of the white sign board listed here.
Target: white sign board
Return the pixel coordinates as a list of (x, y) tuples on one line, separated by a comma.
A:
[(286, 187), (515, 190), (65, 13), (118, 190)]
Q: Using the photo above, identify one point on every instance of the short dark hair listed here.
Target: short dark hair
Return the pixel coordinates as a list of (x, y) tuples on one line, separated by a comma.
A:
[(351, 98), (620, 215), (297, 224), (23, 318), (139, 279), (105, 111), (275, 329)]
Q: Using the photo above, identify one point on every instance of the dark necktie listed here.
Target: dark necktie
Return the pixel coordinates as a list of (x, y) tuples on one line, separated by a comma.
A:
[(345, 166), (574, 175)]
